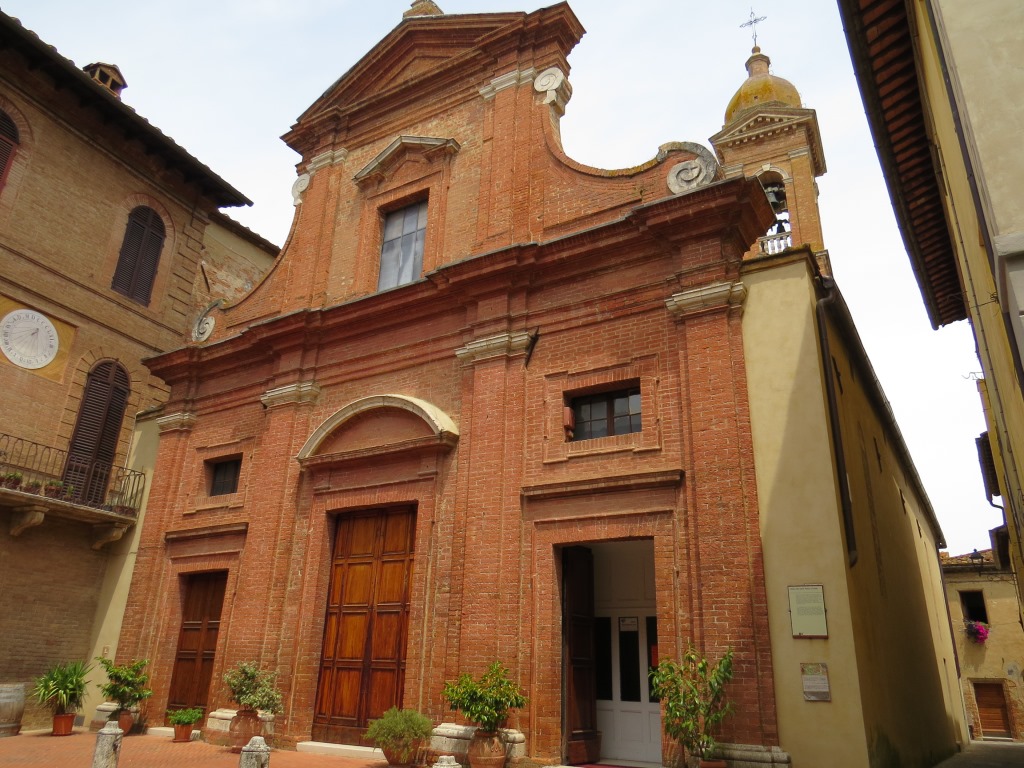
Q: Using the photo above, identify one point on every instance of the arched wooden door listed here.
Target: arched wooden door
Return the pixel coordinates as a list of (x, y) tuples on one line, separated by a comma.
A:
[(362, 666), (98, 427)]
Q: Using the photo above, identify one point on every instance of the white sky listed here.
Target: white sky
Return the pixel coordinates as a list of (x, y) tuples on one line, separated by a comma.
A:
[(226, 78)]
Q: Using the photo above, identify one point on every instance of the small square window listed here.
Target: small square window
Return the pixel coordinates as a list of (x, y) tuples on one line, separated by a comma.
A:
[(401, 253), (973, 603), (224, 476), (606, 413)]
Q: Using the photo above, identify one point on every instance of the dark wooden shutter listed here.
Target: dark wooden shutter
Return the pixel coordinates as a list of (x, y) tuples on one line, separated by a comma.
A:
[(140, 255), (8, 144), (94, 441)]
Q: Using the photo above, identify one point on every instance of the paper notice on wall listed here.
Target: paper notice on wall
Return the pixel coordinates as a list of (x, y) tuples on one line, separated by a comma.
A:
[(815, 682), (807, 610)]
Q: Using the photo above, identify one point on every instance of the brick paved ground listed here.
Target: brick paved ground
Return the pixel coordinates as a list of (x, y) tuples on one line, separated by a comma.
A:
[(37, 749)]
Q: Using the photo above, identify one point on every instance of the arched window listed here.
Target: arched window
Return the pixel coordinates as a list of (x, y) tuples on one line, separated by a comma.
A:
[(140, 255), (8, 145), (94, 441)]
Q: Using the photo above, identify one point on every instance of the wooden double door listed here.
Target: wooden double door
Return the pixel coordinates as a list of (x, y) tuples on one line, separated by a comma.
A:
[(362, 665)]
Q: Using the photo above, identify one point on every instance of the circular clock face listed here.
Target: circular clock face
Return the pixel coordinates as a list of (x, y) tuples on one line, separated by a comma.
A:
[(28, 338)]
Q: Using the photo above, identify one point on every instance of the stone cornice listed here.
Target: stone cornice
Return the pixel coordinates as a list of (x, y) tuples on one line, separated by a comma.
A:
[(706, 298), (182, 420), (299, 392), (500, 345)]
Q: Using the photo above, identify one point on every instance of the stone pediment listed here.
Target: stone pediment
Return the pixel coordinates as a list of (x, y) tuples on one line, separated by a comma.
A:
[(401, 148), (766, 122)]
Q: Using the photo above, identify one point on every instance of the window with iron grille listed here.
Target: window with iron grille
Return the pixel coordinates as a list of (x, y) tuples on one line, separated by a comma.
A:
[(140, 255), (603, 414), (401, 253), (224, 474)]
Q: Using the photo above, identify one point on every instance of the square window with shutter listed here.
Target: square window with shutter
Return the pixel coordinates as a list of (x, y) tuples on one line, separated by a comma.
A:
[(223, 475)]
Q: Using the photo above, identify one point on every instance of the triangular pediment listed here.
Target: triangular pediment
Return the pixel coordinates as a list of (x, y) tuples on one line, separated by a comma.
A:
[(418, 47), (764, 122), (429, 60), (400, 149)]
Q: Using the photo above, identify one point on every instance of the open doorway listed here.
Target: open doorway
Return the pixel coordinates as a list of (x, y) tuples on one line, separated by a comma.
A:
[(611, 641)]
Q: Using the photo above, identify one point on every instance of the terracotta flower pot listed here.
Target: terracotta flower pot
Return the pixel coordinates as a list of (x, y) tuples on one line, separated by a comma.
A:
[(705, 763), (64, 724), (182, 732), (486, 750), (125, 721), (244, 725)]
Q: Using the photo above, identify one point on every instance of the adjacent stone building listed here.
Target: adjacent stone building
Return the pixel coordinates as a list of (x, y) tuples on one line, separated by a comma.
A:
[(981, 590), (103, 227), (490, 403)]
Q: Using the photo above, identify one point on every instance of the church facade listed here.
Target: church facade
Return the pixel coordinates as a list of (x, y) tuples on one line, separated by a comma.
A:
[(492, 404)]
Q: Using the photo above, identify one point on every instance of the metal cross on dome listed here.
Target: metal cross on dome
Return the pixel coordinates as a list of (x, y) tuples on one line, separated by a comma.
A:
[(752, 23)]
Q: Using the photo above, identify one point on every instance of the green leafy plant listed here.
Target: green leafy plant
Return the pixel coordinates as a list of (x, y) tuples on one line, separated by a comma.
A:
[(32, 486), (252, 688), (184, 716), (62, 687), (486, 701), (11, 480), (693, 691), (126, 683), (400, 733)]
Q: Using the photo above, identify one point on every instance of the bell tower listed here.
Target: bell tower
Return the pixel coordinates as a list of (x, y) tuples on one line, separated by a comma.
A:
[(768, 135)]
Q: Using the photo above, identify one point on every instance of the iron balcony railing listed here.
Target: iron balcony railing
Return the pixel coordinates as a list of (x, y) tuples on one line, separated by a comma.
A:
[(34, 468)]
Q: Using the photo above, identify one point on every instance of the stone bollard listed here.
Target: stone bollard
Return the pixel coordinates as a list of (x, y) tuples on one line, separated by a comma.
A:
[(108, 746), (255, 754)]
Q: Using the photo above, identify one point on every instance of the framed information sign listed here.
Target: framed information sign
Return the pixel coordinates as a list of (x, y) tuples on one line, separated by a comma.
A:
[(807, 610)]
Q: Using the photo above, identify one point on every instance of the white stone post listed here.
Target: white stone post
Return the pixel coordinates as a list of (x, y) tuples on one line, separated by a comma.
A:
[(255, 754), (108, 746)]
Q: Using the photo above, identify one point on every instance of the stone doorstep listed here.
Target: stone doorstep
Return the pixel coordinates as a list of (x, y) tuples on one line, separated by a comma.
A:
[(339, 750), (167, 732)]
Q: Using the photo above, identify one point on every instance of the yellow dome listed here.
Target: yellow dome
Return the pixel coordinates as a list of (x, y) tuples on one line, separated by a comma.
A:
[(761, 87)]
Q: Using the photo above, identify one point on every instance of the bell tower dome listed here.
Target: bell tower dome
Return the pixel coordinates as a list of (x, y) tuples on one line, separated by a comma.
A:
[(770, 136)]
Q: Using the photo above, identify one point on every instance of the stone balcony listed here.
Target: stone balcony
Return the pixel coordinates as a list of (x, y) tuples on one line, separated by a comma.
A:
[(37, 481)]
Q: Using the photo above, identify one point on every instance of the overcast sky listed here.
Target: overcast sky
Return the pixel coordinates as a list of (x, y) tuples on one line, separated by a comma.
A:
[(226, 78)]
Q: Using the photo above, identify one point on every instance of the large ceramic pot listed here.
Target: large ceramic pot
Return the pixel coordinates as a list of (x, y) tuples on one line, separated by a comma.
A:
[(486, 750), (705, 763), (12, 707), (244, 725), (125, 721), (183, 732), (63, 725)]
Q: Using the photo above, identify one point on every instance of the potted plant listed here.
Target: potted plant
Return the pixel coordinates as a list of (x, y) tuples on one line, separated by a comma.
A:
[(32, 486), (693, 693), (400, 734), (254, 691), (977, 632), (11, 480), (485, 702), (126, 685), (53, 489), (62, 689), (183, 720)]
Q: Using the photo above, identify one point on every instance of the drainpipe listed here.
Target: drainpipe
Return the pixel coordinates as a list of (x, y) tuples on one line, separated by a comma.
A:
[(845, 497)]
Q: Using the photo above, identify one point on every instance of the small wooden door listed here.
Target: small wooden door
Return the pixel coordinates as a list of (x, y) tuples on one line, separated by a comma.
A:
[(197, 640), (995, 718), (362, 666), (582, 739)]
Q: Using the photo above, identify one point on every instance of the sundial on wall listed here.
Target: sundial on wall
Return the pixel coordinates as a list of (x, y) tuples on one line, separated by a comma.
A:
[(28, 338)]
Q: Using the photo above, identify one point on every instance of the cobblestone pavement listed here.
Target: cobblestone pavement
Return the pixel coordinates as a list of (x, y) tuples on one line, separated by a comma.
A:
[(38, 749), (988, 754)]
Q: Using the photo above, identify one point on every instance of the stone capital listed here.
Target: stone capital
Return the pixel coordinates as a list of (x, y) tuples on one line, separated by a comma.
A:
[(707, 298), (508, 80), (500, 345), (182, 420), (299, 392)]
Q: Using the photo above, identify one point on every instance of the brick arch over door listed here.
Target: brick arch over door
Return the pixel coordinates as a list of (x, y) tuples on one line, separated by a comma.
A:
[(97, 431)]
